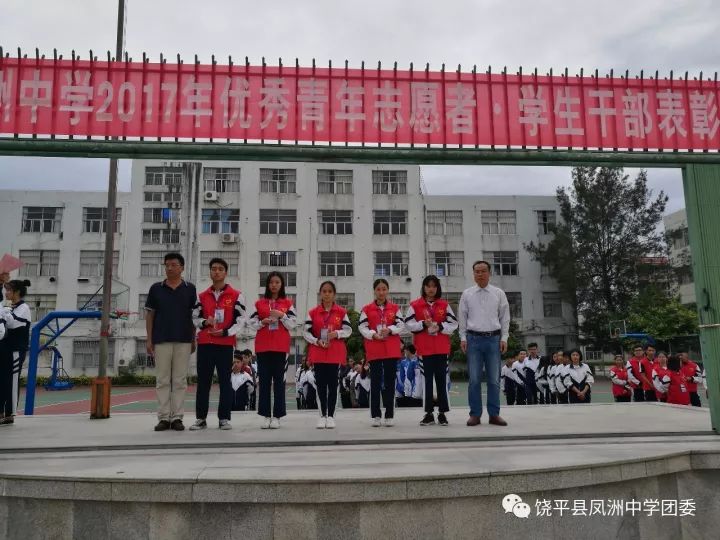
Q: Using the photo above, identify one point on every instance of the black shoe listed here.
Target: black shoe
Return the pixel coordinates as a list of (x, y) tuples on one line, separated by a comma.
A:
[(177, 425), (162, 425), (442, 420), (7, 421), (428, 419)]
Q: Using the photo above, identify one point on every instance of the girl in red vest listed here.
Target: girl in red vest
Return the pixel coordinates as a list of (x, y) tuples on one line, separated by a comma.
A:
[(326, 328), (676, 383), (621, 388), (659, 374), (381, 325), (273, 318), (432, 321)]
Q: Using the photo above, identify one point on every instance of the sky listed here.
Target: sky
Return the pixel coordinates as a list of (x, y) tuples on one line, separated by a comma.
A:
[(614, 34)]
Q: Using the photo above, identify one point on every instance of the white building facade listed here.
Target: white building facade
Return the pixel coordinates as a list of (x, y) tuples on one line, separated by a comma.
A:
[(346, 223), (676, 229)]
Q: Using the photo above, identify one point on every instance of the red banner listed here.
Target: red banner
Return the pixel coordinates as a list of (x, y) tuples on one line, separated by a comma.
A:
[(355, 106)]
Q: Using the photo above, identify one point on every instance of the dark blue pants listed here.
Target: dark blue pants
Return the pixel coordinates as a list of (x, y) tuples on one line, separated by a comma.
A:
[(435, 369), (271, 372), (209, 359), (382, 381)]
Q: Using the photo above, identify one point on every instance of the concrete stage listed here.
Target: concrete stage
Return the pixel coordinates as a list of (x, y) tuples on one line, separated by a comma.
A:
[(71, 477)]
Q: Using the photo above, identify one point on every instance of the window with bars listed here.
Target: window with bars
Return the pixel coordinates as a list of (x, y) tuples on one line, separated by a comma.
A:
[(336, 263), (447, 263), (94, 219), (152, 264), (142, 360), (391, 263), (232, 258), (290, 278), (41, 304), (160, 196), (445, 222), (334, 182), (86, 353), (278, 180), (163, 176), (161, 236), (515, 301), (389, 182), (161, 215), (390, 221), (552, 304), (142, 298), (453, 298), (546, 220), (41, 219), (94, 302), (277, 258), (92, 263), (504, 263), (335, 221), (276, 221), (221, 179), (345, 300), (554, 343), (39, 262), (498, 221), (220, 220), (401, 299)]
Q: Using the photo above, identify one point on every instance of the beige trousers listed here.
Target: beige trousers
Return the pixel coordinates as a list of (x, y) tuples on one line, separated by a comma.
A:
[(171, 368)]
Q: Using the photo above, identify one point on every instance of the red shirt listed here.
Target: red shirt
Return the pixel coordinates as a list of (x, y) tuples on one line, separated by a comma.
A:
[(336, 353), (690, 370), (425, 343), (381, 349), (678, 392), (660, 373), (636, 369), (226, 302), (277, 340), (619, 373), (647, 368)]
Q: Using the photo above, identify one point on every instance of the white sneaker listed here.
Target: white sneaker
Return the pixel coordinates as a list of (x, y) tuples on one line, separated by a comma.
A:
[(330, 424), (389, 422), (376, 421), (321, 423), (266, 423), (198, 425), (274, 423), (225, 424)]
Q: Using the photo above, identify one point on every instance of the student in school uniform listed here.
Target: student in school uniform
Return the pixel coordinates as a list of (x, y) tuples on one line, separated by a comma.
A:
[(326, 328), (432, 321), (507, 381), (361, 384), (635, 370), (647, 363), (273, 318), (242, 383), (580, 379), (658, 376), (380, 325), (410, 380), (518, 368), (562, 376), (16, 320), (532, 362), (301, 379), (621, 389), (693, 377), (675, 382), (541, 380), (552, 374)]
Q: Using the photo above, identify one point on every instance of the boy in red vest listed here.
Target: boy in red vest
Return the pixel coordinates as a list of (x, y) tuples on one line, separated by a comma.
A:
[(677, 390), (693, 377), (635, 372)]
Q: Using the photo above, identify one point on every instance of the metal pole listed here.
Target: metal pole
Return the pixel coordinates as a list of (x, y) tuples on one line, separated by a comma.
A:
[(101, 409)]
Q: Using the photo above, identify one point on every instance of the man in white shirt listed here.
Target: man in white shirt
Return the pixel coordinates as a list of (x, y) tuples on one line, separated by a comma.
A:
[(484, 320)]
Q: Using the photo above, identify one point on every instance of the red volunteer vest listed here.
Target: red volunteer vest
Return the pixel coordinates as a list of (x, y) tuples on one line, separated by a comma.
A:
[(635, 363), (426, 344), (689, 370), (336, 353), (678, 393), (661, 372), (277, 340), (378, 349), (619, 373), (226, 302), (647, 367)]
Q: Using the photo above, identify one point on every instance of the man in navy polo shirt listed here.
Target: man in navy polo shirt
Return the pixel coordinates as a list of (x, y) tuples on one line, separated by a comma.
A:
[(171, 340)]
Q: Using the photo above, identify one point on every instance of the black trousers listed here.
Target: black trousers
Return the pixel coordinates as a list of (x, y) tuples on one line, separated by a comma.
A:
[(271, 372), (240, 398), (622, 399), (6, 381), (553, 398), (638, 394), (695, 399), (650, 395), (209, 359), (572, 397), (326, 379), (520, 394), (510, 394), (562, 398), (435, 368), (531, 393), (363, 399), (382, 381)]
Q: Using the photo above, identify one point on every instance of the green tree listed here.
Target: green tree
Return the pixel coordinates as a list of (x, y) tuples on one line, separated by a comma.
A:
[(355, 341), (607, 223), (661, 316)]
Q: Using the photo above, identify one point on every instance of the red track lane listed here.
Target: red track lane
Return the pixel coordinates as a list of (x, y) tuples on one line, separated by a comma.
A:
[(83, 406)]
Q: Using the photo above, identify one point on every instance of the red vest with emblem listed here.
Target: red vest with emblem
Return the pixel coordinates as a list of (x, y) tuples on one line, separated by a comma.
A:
[(226, 302), (277, 340), (635, 363), (678, 393), (661, 372), (689, 370), (336, 353), (647, 366), (380, 349), (426, 344), (619, 373)]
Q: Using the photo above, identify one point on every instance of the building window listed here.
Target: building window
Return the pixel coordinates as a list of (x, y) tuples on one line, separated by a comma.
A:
[(390, 221), (277, 180), (277, 258), (498, 221), (275, 221), (92, 263), (153, 196), (389, 182), (290, 278), (447, 263), (94, 302), (161, 215), (39, 262), (163, 196), (163, 176), (391, 263), (232, 258), (142, 299), (336, 263), (402, 299), (222, 180), (546, 220), (142, 360), (554, 343), (86, 353), (344, 300), (335, 221), (504, 263), (94, 219), (41, 219), (334, 182), (161, 236), (552, 304), (515, 301), (445, 222), (41, 304), (453, 298), (152, 264), (220, 220)]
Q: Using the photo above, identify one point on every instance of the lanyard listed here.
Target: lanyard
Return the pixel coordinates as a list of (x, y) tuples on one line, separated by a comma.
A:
[(326, 318)]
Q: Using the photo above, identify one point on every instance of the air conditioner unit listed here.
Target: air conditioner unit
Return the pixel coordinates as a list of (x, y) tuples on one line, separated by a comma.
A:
[(228, 238), (211, 196)]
